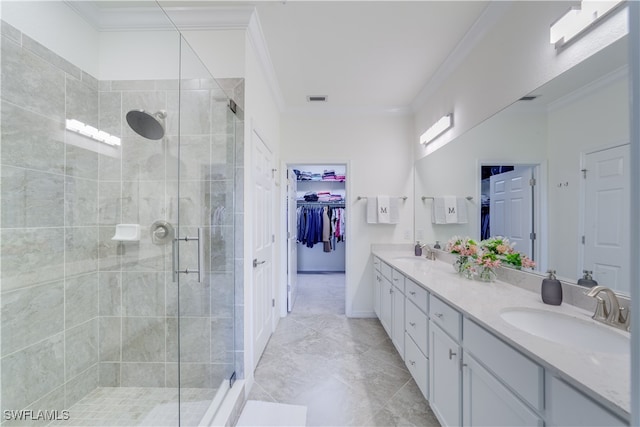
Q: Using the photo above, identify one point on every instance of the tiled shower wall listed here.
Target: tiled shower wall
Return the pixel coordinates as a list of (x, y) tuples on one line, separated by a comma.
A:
[(79, 309)]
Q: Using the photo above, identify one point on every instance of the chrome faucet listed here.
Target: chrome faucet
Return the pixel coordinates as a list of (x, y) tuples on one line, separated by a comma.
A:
[(612, 314), (431, 254)]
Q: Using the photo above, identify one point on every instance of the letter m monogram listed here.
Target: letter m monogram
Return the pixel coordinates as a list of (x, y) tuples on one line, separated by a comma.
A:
[(383, 210), (452, 210)]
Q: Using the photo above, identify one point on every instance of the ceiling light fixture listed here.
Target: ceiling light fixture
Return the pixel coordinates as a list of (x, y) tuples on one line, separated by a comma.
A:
[(89, 131), (578, 19), (438, 128)]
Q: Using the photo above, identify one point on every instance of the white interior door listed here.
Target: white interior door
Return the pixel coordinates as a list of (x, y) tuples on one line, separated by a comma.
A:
[(263, 300), (607, 217), (511, 209), (292, 247)]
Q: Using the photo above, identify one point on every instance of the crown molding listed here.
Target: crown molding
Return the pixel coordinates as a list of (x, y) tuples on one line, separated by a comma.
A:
[(153, 18), (492, 13)]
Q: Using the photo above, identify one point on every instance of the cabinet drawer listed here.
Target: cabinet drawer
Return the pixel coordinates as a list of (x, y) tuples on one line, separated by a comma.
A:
[(376, 263), (513, 368), (416, 325), (416, 294), (397, 279), (418, 365), (385, 269), (445, 316)]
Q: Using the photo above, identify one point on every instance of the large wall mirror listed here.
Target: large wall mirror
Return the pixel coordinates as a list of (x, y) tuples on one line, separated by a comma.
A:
[(570, 139)]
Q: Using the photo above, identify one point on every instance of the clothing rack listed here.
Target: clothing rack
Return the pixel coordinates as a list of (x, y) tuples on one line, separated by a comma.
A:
[(404, 198), (431, 198), (329, 204)]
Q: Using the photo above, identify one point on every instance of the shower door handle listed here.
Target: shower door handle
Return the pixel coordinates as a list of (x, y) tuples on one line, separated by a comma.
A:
[(176, 267)]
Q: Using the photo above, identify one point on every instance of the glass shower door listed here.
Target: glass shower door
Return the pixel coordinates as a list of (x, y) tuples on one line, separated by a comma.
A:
[(204, 212)]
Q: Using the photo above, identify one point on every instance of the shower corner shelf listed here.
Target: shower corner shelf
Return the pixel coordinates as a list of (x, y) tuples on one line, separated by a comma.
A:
[(127, 233)]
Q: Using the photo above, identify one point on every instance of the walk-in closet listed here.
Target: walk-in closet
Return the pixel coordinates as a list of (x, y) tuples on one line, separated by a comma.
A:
[(319, 225)]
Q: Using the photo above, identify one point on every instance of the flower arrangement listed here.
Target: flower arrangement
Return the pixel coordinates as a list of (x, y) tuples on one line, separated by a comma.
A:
[(482, 258)]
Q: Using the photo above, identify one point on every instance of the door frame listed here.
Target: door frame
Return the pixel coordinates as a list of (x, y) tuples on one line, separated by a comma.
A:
[(282, 291), (582, 196), (540, 210)]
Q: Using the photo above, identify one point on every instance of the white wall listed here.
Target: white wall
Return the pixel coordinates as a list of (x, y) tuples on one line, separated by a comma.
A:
[(379, 160), (222, 50), (514, 58), (54, 25)]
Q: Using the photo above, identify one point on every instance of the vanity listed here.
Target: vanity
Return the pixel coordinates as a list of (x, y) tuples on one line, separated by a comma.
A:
[(493, 353)]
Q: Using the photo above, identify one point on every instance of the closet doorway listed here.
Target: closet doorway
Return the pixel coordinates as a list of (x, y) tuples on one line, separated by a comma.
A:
[(316, 229)]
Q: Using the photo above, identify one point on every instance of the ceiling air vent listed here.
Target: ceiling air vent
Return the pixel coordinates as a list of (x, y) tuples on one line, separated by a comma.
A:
[(317, 98), (528, 98)]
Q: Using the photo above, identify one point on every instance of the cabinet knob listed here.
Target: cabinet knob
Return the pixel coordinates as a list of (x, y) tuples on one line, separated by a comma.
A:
[(390, 291), (451, 354), (413, 363), (413, 293), (412, 324), (438, 315)]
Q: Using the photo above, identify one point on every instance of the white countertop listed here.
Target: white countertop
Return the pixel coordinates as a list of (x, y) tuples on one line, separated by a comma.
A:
[(604, 376)]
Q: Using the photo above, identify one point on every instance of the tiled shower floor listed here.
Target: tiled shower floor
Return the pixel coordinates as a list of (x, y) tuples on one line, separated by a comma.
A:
[(139, 406)]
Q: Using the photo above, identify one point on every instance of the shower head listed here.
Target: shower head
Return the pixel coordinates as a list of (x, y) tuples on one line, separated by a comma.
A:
[(148, 125)]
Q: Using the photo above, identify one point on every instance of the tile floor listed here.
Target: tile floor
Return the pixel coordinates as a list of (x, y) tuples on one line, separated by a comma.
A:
[(346, 371), (139, 406)]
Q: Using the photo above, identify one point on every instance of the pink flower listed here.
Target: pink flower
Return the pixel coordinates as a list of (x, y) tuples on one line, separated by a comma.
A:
[(528, 262), (503, 249)]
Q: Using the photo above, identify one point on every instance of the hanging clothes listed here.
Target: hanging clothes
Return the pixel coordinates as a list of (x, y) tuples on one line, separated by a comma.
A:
[(320, 224)]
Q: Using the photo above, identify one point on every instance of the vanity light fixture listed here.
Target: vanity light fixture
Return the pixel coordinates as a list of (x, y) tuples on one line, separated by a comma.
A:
[(438, 128), (77, 126), (578, 19)]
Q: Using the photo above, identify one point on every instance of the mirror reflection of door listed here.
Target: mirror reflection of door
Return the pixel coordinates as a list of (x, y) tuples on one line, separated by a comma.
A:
[(606, 216), (508, 194)]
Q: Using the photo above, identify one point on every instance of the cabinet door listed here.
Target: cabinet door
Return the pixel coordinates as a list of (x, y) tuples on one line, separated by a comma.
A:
[(397, 324), (377, 285), (486, 402), (567, 406), (444, 376), (386, 305)]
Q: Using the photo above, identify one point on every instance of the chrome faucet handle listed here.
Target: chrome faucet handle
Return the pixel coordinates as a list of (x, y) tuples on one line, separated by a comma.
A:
[(614, 314)]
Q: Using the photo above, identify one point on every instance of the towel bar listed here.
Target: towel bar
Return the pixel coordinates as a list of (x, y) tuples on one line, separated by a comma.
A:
[(431, 197), (365, 197)]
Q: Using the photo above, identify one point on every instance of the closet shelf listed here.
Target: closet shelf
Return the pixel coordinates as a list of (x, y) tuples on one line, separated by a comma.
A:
[(330, 204)]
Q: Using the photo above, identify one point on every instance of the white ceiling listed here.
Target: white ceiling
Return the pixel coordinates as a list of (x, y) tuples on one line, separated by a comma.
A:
[(364, 55)]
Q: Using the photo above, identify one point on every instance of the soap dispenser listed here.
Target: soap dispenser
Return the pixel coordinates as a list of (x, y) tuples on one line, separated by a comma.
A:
[(551, 289), (418, 249), (587, 281)]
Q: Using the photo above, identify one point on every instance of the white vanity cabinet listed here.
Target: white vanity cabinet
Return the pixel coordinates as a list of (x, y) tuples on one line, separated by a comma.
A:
[(567, 406), (386, 305), (487, 402), (397, 322), (377, 285), (445, 383)]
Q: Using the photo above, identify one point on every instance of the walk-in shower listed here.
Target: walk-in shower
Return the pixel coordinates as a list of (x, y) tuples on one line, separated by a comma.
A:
[(148, 125), (99, 327)]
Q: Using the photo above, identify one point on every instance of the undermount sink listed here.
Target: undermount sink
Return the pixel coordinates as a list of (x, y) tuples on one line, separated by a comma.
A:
[(568, 330), (410, 258)]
